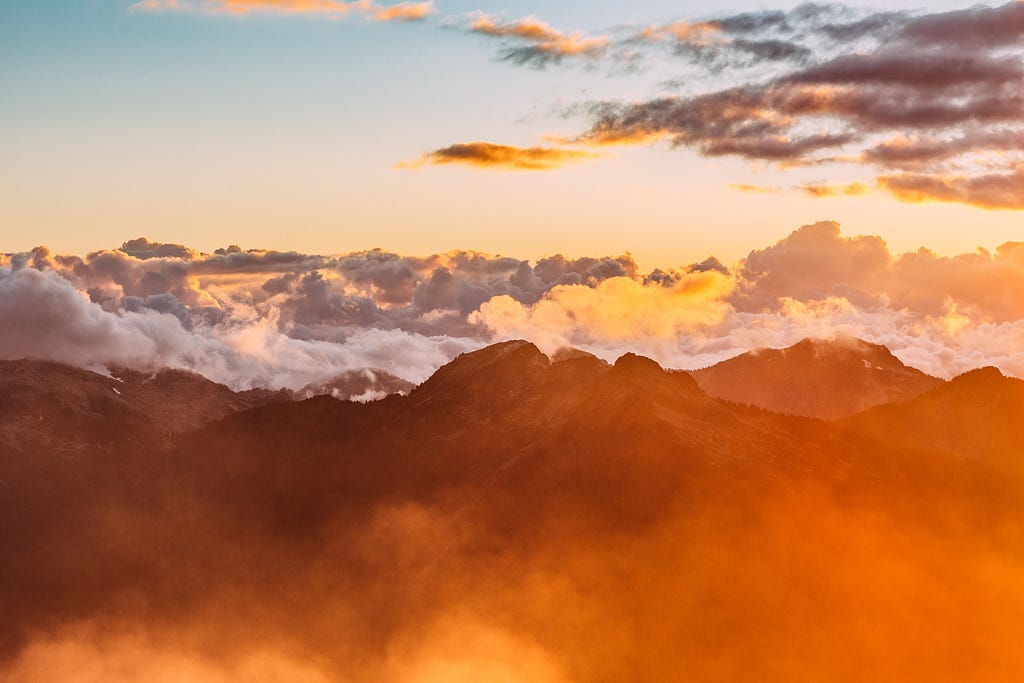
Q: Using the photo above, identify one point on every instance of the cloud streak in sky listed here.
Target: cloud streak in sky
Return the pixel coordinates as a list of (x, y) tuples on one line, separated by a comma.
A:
[(533, 42), (506, 157), (366, 9)]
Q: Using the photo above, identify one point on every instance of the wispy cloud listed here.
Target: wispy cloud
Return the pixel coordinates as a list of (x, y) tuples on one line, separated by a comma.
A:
[(533, 42), (750, 188), (820, 190), (987, 191), (817, 190), (366, 9), (504, 157)]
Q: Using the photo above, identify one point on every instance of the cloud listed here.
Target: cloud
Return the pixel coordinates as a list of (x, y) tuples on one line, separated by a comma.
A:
[(987, 191), (944, 315), (535, 43), (48, 318), (505, 157), (755, 189), (951, 108), (975, 27), (819, 190), (264, 318), (617, 309), (367, 9), (932, 103), (142, 248), (254, 318)]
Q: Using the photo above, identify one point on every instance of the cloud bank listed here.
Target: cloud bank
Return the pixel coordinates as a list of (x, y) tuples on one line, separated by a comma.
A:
[(255, 318)]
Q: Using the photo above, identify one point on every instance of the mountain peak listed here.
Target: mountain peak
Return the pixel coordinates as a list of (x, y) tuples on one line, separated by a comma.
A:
[(841, 347), (632, 362), (979, 380), (517, 352), (503, 369), (571, 353), (816, 377)]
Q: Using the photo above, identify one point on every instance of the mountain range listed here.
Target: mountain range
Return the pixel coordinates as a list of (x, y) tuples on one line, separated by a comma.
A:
[(573, 518)]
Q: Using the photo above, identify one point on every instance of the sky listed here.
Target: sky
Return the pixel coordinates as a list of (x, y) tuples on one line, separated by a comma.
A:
[(275, 192), (328, 128)]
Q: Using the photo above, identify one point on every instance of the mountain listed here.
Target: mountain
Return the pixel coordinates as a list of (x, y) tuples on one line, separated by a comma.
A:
[(69, 409), (976, 415), (61, 410), (822, 378), (520, 517)]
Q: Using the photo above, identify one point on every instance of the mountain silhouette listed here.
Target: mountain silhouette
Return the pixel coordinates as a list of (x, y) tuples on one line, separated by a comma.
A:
[(975, 415), (514, 512), (823, 378)]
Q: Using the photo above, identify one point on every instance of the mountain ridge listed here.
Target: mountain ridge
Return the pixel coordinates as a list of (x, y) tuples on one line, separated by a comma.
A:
[(821, 378)]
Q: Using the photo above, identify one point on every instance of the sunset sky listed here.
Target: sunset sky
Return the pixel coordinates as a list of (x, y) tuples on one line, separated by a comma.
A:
[(447, 341), (329, 127)]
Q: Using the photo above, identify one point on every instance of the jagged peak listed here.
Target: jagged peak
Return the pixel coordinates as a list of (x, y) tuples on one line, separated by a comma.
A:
[(984, 375), (501, 363), (516, 350), (633, 362), (566, 353)]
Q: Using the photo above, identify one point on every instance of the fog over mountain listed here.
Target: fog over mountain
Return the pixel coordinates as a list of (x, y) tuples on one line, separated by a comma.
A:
[(265, 319), (514, 518)]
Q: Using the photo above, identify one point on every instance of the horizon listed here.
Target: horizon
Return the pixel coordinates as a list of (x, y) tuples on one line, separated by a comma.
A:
[(208, 248)]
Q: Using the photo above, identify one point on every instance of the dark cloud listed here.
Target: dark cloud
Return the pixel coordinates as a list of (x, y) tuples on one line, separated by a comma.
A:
[(930, 72), (161, 303), (142, 248), (390, 278), (748, 122), (924, 152), (753, 22), (878, 26), (977, 27), (280, 285), (773, 50)]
